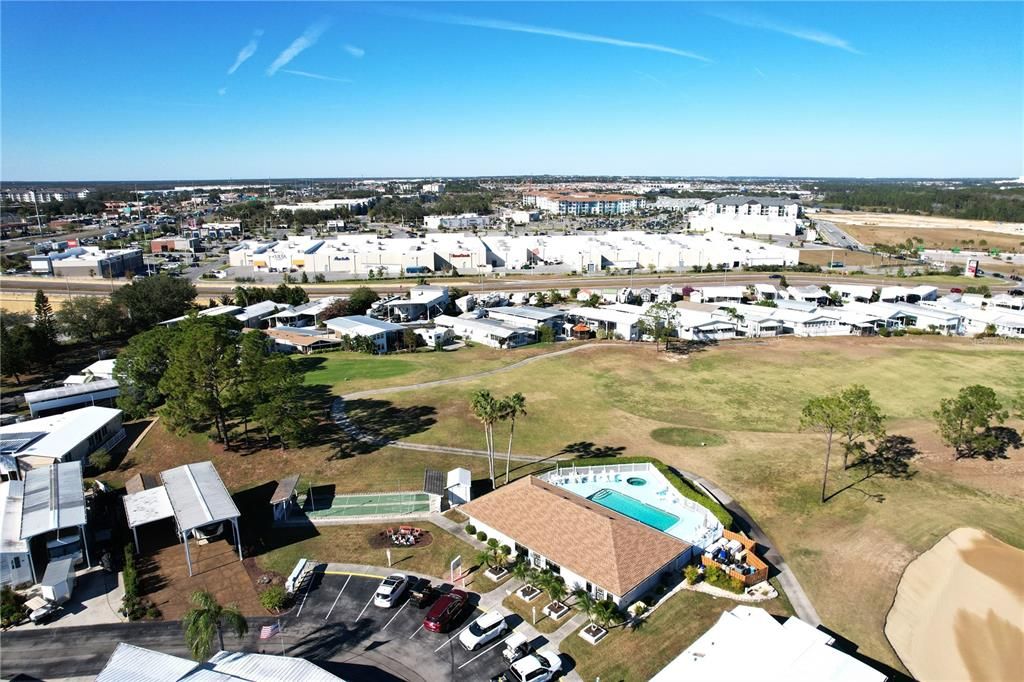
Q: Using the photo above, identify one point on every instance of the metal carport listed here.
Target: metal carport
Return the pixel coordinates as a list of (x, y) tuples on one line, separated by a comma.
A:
[(54, 499), (198, 498)]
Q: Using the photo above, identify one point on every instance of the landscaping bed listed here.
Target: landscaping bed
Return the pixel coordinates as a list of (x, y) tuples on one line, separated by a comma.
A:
[(544, 623)]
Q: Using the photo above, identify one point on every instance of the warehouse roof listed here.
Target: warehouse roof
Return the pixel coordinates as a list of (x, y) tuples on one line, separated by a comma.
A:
[(198, 496)]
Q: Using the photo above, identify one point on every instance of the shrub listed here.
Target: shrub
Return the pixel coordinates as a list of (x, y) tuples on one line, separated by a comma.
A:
[(273, 598), (735, 585), (131, 604), (481, 536), (714, 575), (12, 607), (100, 460), (884, 331), (506, 550), (470, 529), (692, 574)]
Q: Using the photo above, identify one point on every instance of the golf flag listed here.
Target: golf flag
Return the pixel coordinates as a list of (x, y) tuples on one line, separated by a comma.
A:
[(268, 631)]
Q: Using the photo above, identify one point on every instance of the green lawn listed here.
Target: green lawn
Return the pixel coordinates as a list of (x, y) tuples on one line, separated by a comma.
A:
[(638, 655), (525, 610), (350, 544), (687, 438), (348, 372), (612, 401)]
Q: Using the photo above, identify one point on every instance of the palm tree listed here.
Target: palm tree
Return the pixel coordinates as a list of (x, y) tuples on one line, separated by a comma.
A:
[(606, 613), (556, 588), (511, 407), (491, 556), (586, 603), (206, 618), (487, 410), (521, 570)]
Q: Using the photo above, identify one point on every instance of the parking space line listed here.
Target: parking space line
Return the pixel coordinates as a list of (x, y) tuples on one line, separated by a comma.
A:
[(453, 636), (417, 631), (309, 586), (485, 650), (368, 601), (395, 616), (337, 598), (360, 575)]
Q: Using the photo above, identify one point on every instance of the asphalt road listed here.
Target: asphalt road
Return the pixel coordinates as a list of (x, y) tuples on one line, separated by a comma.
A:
[(831, 233), (208, 288), (334, 625)]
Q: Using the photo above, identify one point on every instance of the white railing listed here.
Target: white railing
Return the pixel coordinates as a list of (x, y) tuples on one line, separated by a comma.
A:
[(582, 474)]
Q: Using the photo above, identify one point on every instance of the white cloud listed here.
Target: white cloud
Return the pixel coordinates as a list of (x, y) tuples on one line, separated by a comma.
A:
[(306, 40), (317, 76), (222, 91), (356, 52), (808, 34), (248, 50), (500, 25), (759, 72)]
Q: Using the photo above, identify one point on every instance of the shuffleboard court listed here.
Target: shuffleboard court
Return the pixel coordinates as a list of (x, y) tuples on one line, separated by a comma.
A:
[(370, 505)]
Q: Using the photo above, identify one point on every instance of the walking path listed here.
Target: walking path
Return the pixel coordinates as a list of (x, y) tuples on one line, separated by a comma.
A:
[(473, 377), (790, 585)]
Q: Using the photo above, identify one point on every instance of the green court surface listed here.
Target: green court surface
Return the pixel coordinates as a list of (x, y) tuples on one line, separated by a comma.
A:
[(370, 505)]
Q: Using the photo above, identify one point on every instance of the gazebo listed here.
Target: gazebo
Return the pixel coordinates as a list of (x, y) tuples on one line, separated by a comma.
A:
[(581, 331)]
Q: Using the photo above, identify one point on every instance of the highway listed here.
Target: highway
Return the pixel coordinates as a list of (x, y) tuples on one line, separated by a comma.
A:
[(208, 288)]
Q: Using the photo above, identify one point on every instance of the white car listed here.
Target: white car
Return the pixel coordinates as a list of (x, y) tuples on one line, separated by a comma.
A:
[(219, 274), (482, 630), (390, 589), (539, 667)]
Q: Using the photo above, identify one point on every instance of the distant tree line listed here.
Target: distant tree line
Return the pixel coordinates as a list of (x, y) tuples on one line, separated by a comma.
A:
[(976, 203), (29, 341)]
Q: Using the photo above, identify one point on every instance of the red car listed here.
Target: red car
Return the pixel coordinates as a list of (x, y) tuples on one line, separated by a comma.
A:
[(956, 290), (445, 611)]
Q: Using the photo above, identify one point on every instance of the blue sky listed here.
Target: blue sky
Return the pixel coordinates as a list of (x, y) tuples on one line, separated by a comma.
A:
[(219, 90)]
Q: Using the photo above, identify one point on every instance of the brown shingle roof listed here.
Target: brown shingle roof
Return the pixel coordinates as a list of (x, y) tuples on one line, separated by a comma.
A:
[(603, 546)]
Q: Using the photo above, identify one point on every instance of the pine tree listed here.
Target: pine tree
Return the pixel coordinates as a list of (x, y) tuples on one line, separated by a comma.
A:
[(46, 325)]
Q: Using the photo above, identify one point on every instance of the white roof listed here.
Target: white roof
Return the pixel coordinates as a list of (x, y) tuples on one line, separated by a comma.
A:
[(460, 477), (11, 493), (134, 664), (60, 433), (197, 495), (605, 315), (147, 506), (528, 312), (361, 325), (101, 369), (54, 499), (793, 652), (722, 291), (242, 665), (131, 663), (261, 309), (67, 391), (489, 327)]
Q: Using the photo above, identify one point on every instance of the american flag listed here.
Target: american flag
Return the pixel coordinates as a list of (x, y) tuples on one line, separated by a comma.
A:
[(268, 631)]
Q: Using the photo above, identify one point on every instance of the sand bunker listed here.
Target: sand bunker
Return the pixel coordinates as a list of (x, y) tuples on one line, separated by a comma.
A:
[(959, 610)]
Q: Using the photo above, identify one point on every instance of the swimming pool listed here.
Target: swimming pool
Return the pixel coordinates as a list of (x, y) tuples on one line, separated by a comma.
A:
[(634, 509)]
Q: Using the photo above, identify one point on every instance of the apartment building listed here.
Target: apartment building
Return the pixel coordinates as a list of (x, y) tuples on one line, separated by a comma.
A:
[(584, 203)]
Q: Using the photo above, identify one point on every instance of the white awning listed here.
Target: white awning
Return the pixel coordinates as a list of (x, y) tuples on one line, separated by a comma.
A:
[(147, 506)]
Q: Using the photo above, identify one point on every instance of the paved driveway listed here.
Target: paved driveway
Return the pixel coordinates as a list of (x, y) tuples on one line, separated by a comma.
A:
[(337, 621)]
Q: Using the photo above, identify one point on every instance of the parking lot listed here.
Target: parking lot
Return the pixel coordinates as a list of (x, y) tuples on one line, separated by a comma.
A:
[(336, 620)]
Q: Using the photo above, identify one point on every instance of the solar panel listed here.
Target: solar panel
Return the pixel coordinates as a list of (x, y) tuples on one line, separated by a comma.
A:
[(11, 443), (433, 482)]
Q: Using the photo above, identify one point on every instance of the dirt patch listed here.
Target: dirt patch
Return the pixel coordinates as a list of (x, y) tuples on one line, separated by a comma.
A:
[(216, 569), (957, 613)]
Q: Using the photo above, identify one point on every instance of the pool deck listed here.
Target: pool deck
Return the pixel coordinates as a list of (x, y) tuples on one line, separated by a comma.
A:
[(696, 525)]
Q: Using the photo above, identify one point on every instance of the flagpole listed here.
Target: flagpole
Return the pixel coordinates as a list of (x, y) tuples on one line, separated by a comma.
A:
[(281, 632)]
